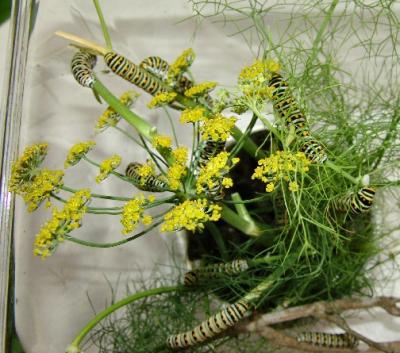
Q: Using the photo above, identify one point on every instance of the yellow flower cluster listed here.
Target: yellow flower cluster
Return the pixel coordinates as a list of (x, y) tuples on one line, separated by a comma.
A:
[(162, 99), (200, 89), (253, 79), (62, 223), (218, 128), (161, 141), (193, 115), (212, 174), (182, 63), (178, 169), (41, 187), (110, 117), (107, 166), (23, 170), (191, 215), (133, 213), (144, 170), (281, 165), (258, 70), (77, 152)]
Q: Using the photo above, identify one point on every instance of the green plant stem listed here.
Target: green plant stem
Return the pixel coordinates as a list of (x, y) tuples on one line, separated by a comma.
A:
[(315, 47), (94, 210), (104, 28), (241, 208), (114, 244), (145, 129), (171, 123), (100, 316), (118, 175), (264, 260), (99, 196), (128, 135), (219, 239), (266, 122), (141, 125), (342, 172), (232, 218), (390, 136), (238, 145), (254, 200), (248, 145)]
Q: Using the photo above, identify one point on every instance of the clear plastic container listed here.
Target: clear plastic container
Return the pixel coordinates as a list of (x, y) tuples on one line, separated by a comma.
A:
[(44, 103)]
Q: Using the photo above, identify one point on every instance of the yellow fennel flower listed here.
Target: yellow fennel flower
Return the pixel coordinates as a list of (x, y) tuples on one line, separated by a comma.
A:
[(161, 141), (161, 99), (180, 155), (293, 186), (110, 117), (61, 224), (132, 214), (191, 215), (253, 80), (108, 166), (144, 170), (281, 165), (270, 187), (26, 167), (77, 152), (41, 187), (218, 128), (193, 115), (212, 174), (178, 169), (182, 63), (200, 89)]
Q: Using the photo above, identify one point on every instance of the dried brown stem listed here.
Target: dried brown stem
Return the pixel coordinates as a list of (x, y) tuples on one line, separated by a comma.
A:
[(340, 322), (329, 311), (281, 339), (322, 308)]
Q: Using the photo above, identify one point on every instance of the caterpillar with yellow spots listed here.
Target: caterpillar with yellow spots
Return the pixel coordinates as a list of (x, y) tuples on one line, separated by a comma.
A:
[(159, 67), (313, 150), (151, 182), (229, 268), (356, 202), (211, 327), (82, 64), (133, 73), (331, 340), (287, 108)]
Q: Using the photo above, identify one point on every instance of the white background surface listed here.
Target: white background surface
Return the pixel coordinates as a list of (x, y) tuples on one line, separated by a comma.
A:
[(52, 302)]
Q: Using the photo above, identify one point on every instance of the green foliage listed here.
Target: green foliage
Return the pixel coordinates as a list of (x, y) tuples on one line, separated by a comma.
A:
[(5, 10), (144, 325)]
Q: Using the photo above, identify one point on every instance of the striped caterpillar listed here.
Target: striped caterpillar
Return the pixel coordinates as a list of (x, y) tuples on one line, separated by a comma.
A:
[(82, 64), (314, 150), (210, 271), (159, 67), (211, 327), (332, 340), (133, 73), (206, 151), (356, 202), (287, 108), (149, 183)]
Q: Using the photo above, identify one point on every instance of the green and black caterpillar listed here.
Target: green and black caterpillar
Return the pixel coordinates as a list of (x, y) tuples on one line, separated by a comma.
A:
[(151, 182), (287, 108), (82, 64), (211, 327), (356, 202), (331, 340), (210, 271)]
